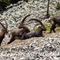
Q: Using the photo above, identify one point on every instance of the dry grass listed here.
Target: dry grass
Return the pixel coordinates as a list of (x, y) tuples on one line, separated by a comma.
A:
[(17, 42)]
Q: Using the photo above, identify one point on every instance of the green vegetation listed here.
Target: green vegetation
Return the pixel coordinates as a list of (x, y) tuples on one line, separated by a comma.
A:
[(26, 0), (7, 2), (58, 6), (11, 1), (46, 25)]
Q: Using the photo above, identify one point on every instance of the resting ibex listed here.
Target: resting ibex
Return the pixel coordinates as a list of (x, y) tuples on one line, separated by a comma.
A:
[(54, 21), (38, 33), (3, 32), (37, 20), (20, 31)]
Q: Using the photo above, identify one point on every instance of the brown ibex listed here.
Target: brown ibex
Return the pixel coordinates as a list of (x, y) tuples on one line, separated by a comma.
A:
[(20, 31), (3, 32), (38, 33), (54, 21)]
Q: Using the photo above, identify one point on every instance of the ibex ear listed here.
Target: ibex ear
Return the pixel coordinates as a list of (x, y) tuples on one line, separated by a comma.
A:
[(50, 21)]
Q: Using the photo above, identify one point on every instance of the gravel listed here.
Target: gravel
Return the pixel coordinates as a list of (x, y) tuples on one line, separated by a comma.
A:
[(16, 12), (36, 48)]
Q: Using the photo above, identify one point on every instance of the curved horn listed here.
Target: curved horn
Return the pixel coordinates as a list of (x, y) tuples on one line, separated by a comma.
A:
[(24, 18), (22, 22), (2, 25), (38, 21), (6, 24)]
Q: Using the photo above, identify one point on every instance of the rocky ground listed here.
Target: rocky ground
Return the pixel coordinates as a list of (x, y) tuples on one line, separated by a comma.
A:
[(41, 48), (36, 48), (16, 12)]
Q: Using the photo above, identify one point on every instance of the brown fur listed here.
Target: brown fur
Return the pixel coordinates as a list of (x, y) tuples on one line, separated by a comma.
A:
[(38, 33), (54, 21), (20, 31)]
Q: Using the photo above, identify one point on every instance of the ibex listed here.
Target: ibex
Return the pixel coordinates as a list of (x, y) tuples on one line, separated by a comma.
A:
[(37, 20), (3, 32), (54, 21), (20, 31), (38, 33)]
